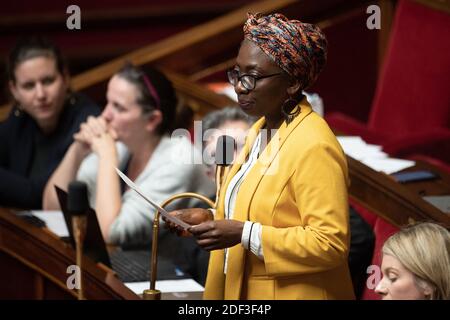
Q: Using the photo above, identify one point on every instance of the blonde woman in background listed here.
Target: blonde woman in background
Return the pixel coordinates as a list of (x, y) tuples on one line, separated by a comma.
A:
[(416, 264)]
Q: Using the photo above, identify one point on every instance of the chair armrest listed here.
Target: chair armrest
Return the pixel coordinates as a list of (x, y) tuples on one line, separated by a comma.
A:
[(434, 143), (441, 165), (343, 124)]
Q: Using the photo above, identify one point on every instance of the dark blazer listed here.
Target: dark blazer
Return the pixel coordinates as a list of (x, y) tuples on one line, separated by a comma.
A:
[(17, 145)]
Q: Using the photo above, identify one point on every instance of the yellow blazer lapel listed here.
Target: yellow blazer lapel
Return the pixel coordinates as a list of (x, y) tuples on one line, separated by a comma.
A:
[(237, 254)]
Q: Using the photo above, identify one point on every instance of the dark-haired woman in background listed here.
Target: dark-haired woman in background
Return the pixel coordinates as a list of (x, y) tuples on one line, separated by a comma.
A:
[(40, 127), (139, 114)]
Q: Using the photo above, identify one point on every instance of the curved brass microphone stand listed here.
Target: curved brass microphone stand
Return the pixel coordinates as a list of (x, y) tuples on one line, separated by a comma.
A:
[(152, 293)]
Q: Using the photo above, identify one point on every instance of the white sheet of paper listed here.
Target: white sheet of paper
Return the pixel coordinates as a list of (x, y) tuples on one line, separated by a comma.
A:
[(389, 165), (182, 285), (358, 149), (349, 141), (54, 220), (371, 155), (163, 212)]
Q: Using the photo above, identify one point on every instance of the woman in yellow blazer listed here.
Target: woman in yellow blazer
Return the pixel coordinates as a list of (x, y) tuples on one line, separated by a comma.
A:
[(280, 229)]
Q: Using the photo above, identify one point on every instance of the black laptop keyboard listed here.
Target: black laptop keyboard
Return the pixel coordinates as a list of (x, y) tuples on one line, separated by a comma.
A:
[(134, 266)]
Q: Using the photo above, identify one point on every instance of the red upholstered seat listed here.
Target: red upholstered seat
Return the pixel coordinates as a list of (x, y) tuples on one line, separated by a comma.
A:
[(382, 230), (410, 113), (445, 167)]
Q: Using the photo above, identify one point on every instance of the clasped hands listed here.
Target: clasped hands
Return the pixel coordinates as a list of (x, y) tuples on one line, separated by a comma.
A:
[(96, 135), (210, 234)]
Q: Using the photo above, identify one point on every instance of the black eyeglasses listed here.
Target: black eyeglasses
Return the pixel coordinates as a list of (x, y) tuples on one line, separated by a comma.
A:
[(248, 80)]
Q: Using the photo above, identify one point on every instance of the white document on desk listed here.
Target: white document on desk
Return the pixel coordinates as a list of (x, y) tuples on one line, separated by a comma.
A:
[(372, 155), (182, 285), (389, 165), (54, 221), (358, 149)]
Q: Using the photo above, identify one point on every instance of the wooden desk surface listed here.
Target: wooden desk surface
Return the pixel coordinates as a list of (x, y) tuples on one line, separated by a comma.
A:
[(435, 187), (34, 264), (34, 261), (399, 204)]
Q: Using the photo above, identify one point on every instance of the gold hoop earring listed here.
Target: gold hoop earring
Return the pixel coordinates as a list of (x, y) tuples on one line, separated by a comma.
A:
[(289, 110)]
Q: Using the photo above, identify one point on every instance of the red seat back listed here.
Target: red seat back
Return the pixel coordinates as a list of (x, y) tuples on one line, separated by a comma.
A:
[(413, 88), (382, 230)]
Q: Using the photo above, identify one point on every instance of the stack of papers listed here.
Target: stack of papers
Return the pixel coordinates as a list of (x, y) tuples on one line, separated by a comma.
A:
[(372, 156)]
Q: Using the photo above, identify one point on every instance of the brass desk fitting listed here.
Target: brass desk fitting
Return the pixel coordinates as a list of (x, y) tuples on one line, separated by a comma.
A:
[(153, 293)]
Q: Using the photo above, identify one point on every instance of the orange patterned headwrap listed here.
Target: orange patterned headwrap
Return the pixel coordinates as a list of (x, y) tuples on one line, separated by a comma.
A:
[(298, 48)]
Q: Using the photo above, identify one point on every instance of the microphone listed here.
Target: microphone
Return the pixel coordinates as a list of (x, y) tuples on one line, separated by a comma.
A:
[(224, 157), (77, 206), (225, 148)]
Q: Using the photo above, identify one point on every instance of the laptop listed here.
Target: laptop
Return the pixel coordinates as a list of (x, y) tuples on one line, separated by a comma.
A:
[(130, 265)]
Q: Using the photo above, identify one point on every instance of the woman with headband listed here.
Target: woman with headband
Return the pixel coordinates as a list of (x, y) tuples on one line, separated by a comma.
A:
[(139, 114), (281, 229)]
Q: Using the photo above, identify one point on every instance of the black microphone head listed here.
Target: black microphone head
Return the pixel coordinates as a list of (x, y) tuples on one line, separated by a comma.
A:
[(225, 149), (77, 199)]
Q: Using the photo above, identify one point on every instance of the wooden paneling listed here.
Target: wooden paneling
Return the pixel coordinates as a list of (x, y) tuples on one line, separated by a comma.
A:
[(125, 14), (212, 44)]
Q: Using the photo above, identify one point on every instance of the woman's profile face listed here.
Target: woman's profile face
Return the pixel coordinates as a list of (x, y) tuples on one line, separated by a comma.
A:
[(398, 283), (237, 129), (40, 89), (269, 94), (122, 112)]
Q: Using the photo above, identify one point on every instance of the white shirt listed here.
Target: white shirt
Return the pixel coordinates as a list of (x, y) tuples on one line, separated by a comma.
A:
[(251, 234)]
